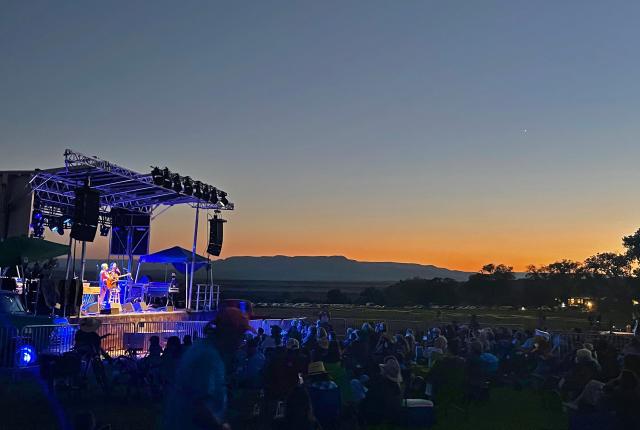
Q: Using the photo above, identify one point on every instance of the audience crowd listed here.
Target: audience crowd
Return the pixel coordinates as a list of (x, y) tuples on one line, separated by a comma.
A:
[(308, 378)]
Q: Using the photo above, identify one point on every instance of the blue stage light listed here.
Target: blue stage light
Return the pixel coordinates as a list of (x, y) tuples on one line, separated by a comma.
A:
[(25, 356)]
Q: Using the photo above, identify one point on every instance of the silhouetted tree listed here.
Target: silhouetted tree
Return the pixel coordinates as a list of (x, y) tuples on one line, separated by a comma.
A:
[(608, 265), (632, 244)]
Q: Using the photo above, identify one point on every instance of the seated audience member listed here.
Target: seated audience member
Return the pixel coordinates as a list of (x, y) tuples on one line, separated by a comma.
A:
[(620, 395), (584, 369), (608, 359), (298, 413), (632, 347), (383, 402)]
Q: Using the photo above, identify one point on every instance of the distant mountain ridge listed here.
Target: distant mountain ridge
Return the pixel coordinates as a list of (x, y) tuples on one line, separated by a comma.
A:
[(330, 268)]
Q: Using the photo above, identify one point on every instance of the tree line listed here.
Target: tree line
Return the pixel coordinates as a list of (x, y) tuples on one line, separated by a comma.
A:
[(613, 278)]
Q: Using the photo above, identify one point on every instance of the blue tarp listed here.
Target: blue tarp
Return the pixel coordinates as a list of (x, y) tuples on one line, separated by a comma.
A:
[(177, 256)]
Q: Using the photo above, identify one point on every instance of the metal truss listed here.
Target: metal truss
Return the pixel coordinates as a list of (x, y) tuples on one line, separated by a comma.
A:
[(54, 189)]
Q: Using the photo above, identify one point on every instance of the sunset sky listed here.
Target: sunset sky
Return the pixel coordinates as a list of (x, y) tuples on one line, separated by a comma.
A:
[(437, 132)]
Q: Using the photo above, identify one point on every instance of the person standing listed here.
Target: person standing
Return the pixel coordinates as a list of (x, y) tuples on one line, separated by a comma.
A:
[(104, 283)]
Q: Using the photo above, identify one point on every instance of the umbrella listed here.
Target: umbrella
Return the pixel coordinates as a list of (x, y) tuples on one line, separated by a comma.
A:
[(15, 250)]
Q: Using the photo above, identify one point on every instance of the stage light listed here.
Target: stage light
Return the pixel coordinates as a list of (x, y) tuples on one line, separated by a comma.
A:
[(188, 186), (158, 177), (166, 178), (25, 356), (37, 215), (197, 189), (223, 198), (177, 185), (213, 197), (56, 225), (206, 192), (104, 230), (37, 223)]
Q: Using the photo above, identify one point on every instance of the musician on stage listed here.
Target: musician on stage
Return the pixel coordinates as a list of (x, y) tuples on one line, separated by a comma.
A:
[(114, 269), (104, 278)]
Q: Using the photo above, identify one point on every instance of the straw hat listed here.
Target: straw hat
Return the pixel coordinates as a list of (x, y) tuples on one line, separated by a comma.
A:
[(316, 368), (89, 325), (391, 369), (293, 344)]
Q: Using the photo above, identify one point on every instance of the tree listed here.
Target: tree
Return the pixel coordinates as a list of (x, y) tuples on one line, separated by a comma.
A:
[(372, 295), (488, 269), (535, 273), (632, 243), (336, 296), (564, 268), (503, 273), (609, 265)]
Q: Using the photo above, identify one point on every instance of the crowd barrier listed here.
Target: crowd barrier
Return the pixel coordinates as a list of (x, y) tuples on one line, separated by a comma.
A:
[(117, 338), (8, 338)]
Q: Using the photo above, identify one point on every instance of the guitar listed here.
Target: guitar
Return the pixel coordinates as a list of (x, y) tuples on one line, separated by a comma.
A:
[(112, 279)]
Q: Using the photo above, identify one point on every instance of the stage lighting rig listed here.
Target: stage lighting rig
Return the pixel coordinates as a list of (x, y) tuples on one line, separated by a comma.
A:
[(197, 189), (166, 178), (56, 225), (223, 198), (104, 230), (158, 177), (37, 223), (213, 198), (187, 185), (177, 185)]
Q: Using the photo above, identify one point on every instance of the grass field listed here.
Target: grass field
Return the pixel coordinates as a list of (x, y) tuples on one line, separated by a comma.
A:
[(558, 320)]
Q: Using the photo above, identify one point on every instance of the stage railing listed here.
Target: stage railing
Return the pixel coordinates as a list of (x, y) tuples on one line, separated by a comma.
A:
[(117, 337)]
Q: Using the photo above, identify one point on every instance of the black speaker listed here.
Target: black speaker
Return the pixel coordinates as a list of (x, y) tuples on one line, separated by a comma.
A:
[(215, 236), (85, 215)]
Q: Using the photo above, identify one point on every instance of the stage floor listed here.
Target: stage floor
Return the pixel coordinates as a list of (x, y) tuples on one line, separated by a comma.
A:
[(153, 316)]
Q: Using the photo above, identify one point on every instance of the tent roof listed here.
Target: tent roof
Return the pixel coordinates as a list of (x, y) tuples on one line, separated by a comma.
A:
[(14, 250), (174, 255)]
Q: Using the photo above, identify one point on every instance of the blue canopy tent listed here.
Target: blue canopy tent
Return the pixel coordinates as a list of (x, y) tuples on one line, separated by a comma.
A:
[(181, 259)]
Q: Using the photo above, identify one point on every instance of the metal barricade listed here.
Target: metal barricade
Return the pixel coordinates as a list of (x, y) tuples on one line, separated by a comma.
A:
[(8, 339)]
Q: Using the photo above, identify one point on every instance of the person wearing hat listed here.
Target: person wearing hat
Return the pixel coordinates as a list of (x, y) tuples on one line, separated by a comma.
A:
[(318, 377), (383, 402), (87, 341)]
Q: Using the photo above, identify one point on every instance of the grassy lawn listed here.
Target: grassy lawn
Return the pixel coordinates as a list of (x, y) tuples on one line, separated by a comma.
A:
[(562, 320)]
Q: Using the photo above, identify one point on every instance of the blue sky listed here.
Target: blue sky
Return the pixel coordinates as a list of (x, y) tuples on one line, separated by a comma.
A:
[(451, 133)]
